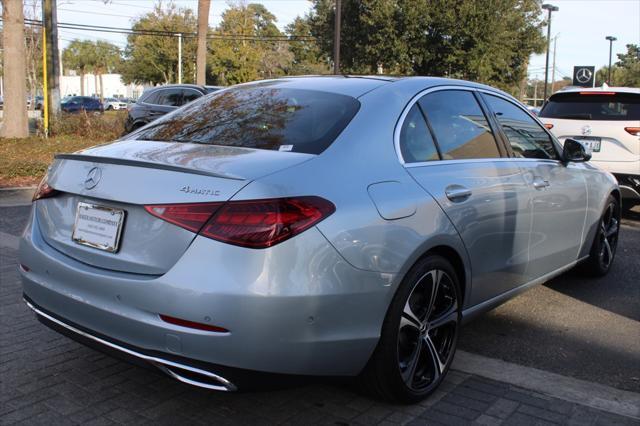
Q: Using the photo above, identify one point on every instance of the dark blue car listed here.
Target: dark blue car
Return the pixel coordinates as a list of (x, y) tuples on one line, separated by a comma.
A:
[(75, 104)]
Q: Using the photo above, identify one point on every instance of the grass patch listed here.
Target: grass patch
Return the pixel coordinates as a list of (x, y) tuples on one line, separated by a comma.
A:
[(23, 162)]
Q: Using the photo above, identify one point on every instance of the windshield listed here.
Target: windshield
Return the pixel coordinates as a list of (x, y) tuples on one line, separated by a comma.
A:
[(593, 106), (258, 117)]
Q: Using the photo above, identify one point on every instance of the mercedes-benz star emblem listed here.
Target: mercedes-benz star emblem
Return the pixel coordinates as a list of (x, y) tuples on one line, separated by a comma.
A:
[(93, 177), (586, 130), (583, 75)]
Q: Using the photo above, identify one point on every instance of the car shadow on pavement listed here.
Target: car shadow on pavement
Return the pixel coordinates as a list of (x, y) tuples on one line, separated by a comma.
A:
[(616, 292)]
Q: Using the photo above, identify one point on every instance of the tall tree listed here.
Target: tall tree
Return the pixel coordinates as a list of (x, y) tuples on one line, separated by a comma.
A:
[(203, 29), (308, 58), (15, 123), (239, 60), (483, 40), (33, 49), (154, 58)]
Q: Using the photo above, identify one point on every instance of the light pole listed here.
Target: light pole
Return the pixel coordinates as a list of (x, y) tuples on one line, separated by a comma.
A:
[(550, 8), (611, 40)]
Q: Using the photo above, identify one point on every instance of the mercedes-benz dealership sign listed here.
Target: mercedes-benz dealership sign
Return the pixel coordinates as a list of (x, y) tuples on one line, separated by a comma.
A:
[(584, 76)]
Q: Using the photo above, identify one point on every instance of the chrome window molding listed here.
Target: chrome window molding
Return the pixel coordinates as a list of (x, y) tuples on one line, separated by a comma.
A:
[(416, 98)]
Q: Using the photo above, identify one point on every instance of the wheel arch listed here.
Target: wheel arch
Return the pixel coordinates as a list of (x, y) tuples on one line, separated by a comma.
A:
[(452, 250)]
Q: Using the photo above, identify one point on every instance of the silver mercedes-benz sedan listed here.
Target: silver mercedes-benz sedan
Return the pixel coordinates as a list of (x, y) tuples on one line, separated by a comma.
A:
[(315, 226)]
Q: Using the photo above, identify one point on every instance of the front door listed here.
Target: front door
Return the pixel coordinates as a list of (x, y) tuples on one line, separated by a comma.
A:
[(558, 190)]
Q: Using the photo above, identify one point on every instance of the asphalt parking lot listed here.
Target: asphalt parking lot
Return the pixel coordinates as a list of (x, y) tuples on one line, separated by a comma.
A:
[(578, 328), (575, 326)]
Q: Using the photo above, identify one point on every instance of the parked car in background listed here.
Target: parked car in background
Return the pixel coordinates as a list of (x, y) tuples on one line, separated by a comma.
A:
[(76, 104), (110, 104), (534, 110), (607, 121), (325, 226), (158, 101)]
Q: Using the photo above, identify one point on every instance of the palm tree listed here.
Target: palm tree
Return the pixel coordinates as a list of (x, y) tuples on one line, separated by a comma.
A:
[(79, 56)]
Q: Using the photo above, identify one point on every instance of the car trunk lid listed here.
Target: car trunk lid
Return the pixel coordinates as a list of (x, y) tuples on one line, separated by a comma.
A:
[(126, 176)]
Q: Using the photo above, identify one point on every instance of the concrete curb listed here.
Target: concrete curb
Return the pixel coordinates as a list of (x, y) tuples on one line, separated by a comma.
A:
[(594, 395), (16, 196)]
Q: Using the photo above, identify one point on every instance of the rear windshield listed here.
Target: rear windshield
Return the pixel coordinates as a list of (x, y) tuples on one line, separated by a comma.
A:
[(258, 117), (596, 106)]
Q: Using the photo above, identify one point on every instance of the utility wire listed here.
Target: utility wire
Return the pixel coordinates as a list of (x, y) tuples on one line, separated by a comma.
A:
[(167, 33)]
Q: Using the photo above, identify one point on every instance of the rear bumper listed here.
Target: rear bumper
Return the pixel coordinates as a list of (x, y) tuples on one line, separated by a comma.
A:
[(296, 308), (184, 370), (629, 186)]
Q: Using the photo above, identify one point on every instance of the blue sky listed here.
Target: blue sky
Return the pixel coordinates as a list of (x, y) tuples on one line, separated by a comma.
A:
[(580, 25)]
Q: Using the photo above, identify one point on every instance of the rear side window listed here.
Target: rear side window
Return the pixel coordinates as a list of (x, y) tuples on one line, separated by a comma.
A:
[(607, 106), (416, 143), (527, 138), (169, 97), (460, 128), (258, 117), (189, 95)]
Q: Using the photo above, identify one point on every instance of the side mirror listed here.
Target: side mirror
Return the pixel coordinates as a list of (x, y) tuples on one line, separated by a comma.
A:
[(574, 151)]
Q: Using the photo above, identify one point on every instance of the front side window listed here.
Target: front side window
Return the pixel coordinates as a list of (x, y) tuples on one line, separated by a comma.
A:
[(416, 143), (527, 138), (260, 117), (459, 125)]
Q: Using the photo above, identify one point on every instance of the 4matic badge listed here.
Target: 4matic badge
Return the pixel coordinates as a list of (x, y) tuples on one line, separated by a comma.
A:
[(200, 191)]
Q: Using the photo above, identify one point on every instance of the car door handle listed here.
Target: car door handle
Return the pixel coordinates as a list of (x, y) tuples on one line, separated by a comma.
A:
[(457, 192), (539, 183)]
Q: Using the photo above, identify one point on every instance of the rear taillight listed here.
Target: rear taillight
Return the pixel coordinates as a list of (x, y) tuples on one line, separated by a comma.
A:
[(188, 216), (635, 131), (253, 223), (44, 190), (549, 126)]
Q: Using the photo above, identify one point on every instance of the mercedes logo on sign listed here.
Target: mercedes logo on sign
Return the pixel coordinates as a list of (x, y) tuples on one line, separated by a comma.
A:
[(584, 76), (93, 177)]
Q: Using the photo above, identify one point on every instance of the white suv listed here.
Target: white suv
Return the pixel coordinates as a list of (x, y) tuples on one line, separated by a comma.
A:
[(607, 121)]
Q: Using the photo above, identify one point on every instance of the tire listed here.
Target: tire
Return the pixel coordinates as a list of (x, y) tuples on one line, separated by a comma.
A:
[(110, 108), (403, 367), (605, 242)]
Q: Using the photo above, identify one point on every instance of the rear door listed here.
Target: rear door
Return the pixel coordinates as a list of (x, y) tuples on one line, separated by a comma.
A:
[(558, 191), (449, 147), (165, 101)]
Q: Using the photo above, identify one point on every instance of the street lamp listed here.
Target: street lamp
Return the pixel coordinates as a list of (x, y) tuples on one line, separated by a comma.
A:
[(611, 40), (550, 8)]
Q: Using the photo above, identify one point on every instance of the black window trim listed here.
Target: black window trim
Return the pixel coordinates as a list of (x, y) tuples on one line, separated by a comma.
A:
[(505, 140), (498, 139)]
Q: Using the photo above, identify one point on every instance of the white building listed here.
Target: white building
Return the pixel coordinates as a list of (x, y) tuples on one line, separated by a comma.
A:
[(112, 86)]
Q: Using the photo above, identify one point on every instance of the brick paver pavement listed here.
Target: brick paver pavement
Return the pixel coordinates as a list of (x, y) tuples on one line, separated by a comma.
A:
[(49, 379)]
